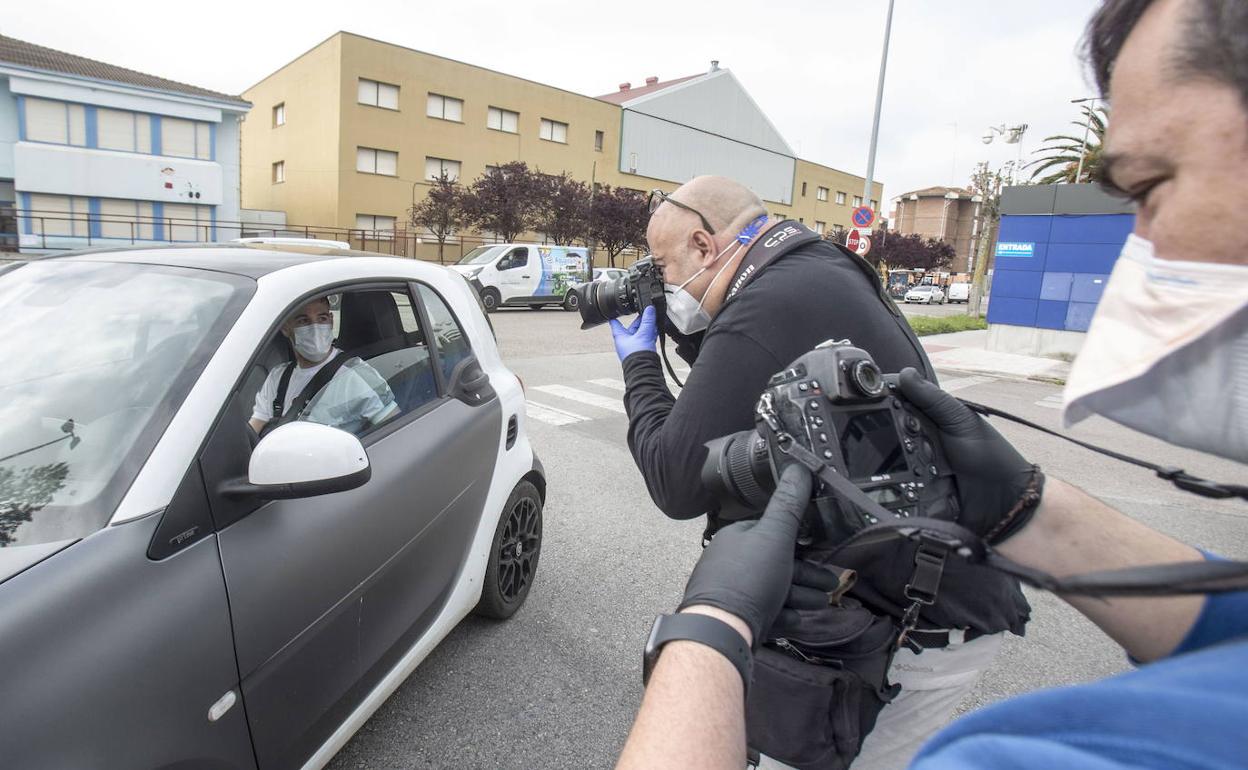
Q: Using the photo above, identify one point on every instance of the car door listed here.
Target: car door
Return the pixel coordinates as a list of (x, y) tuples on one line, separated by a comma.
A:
[(327, 592), (517, 274)]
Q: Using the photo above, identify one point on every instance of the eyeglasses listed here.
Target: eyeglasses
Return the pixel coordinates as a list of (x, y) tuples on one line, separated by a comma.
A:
[(658, 198)]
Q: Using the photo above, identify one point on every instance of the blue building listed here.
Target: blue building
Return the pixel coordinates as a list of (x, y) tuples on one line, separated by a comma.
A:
[(1054, 252), (95, 154)]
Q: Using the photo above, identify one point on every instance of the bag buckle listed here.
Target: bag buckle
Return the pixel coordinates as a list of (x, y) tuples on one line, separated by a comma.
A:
[(929, 565)]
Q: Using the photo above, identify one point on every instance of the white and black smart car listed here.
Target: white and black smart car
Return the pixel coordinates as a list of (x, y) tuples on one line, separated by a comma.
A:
[(176, 590)]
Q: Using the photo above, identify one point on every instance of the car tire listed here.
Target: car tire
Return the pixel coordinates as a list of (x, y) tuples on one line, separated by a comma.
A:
[(571, 301), (490, 300), (514, 554)]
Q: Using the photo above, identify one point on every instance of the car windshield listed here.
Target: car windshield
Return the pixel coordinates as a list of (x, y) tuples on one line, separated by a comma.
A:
[(97, 359), (922, 290), (482, 254)]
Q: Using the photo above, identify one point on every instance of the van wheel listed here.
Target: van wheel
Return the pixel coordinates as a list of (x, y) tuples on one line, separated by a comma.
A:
[(514, 554), (571, 301), (490, 300)]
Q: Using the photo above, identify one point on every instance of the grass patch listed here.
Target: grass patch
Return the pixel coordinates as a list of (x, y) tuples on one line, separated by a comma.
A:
[(926, 324)]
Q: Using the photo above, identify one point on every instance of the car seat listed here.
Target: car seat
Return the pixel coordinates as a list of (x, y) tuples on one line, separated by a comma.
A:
[(370, 326)]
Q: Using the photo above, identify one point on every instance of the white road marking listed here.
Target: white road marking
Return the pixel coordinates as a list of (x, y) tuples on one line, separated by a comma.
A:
[(608, 383), (583, 397), (1051, 402), (551, 415), (957, 383)]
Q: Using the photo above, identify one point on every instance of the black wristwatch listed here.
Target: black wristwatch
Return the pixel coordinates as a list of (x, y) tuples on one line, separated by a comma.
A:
[(703, 629)]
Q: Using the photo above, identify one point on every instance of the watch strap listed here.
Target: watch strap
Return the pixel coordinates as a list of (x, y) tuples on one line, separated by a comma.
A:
[(705, 630)]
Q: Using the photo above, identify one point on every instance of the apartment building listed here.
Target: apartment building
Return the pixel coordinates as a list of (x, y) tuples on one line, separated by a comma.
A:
[(349, 134), (95, 154), (949, 214)]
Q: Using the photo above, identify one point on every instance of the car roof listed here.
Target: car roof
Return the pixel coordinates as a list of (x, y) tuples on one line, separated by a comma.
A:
[(253, 260)]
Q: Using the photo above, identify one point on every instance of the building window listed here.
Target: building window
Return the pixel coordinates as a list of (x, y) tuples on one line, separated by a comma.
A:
[(840, 198), (436, 167), (375, 225), (598, 137), (56, 122), (875, 205), (185, 139), (445, 108), (803, 189), (184, 222), (279, 115), (821, 193), (491, 169), (857, 201), (503, 120), (279, 172), (376, 94), (127, 220), (554, 131), (121, 130), (821, 227), (371, 161), (59, 215)]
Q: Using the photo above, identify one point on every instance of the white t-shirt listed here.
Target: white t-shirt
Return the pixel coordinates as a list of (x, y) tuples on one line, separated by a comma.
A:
[(356, 397)]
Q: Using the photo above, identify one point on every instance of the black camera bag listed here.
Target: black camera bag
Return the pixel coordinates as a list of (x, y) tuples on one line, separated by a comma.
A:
[(819, 684)]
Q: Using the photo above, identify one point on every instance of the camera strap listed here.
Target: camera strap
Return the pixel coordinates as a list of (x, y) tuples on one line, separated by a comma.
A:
[(1177, 476), (937, 539)]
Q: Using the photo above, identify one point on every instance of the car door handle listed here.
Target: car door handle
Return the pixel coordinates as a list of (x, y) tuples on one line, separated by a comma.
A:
[(524, 276)]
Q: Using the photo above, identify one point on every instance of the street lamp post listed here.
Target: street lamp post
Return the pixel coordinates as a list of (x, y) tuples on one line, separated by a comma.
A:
[(879, 100), (1087, 125)]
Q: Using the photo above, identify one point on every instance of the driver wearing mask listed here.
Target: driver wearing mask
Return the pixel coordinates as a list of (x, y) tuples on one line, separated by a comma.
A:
[(354, 399)]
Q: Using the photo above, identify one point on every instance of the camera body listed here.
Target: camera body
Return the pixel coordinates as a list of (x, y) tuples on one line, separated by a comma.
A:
[(835, 402), (600, 301)]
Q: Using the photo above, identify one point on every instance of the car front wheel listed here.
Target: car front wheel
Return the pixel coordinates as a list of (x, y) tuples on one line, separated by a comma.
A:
[(513, 554), (571, 301), (490, 299)]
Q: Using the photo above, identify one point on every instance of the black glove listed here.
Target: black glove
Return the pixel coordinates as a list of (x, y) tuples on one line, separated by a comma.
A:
[(999, 490), (747, 568)]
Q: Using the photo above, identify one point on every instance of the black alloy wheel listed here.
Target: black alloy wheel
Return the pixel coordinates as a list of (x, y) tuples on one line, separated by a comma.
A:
[(490, 300), (514, 554), (571, 301)]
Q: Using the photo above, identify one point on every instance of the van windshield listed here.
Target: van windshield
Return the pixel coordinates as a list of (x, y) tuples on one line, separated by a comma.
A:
[(482, 254)]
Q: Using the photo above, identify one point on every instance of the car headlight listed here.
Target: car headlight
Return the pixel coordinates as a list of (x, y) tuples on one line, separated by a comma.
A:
[(475, 272)]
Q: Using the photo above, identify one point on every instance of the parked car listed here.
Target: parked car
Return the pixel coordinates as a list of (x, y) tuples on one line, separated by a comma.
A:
[(925, 294), (176, 591), (959, 292), (609, 273), (524, 274)]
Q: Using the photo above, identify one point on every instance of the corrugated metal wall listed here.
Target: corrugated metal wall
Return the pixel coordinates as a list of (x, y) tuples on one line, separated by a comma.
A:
[(665, 150)]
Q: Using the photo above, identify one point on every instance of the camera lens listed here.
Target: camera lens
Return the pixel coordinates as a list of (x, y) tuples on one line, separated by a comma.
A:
[(737, 471), (866, 377), (600, 301)]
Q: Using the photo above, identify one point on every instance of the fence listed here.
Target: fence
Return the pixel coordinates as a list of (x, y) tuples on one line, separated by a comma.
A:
[(58, 230)]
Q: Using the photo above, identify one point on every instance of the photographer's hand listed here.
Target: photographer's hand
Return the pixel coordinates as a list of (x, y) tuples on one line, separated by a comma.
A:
[(999, 490), (747, 569), (640, 336)]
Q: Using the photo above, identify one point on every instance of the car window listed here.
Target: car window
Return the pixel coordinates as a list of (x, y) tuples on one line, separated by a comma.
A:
[(98, 357), (453, 346), (519, 257)]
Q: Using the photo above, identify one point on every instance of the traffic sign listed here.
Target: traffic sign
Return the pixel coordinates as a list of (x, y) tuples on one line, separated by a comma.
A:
[(864, 245), (862, 216), (852, 241)]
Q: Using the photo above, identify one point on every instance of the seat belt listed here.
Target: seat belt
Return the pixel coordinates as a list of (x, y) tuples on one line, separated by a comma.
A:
[(319, 380)]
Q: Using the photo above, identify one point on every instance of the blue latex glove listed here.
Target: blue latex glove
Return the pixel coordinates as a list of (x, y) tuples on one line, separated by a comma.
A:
[(640, 336)]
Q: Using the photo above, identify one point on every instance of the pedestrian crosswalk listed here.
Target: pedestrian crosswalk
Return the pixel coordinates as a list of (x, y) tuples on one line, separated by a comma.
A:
[(1051, 402)]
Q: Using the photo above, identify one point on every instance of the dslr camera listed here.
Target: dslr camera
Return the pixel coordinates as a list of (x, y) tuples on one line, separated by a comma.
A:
[(836, 403), (600, 301)]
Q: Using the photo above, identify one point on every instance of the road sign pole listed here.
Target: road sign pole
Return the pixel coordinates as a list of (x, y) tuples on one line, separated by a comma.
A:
[(879, 100)]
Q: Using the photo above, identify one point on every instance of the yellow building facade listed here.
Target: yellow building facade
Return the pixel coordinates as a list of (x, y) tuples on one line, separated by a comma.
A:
[(348, 134)]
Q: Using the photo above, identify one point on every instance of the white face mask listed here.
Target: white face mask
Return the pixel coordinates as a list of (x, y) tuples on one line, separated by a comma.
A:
[(687, 313), (1167, 353), (314, 341)]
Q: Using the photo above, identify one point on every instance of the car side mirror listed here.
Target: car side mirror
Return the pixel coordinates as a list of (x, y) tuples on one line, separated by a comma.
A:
[(303, 459)]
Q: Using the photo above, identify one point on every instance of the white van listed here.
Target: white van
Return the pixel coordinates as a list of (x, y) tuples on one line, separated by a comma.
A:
[(959, 292), (518, 274)]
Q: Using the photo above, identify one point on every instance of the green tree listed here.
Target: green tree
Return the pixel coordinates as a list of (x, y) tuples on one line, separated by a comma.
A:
[(564, 215), (506, 200), (618, 220), (1060, 160)]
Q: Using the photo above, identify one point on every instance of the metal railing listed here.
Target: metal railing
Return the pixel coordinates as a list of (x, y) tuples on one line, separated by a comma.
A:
[(58, 230)]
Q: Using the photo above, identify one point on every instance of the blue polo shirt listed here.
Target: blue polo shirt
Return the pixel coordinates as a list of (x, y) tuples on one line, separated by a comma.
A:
[(1189, 710)]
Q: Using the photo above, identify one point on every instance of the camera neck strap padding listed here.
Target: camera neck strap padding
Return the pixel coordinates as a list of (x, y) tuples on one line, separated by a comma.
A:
[(938, 539)]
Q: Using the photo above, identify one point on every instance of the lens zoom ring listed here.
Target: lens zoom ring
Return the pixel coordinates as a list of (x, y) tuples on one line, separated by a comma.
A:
[(741, 471)]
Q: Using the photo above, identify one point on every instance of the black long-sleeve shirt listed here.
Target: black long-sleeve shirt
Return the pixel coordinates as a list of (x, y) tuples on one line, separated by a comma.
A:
[(812, 294)]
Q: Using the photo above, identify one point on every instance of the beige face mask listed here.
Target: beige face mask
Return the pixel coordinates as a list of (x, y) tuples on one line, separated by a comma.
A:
[(1167, 353)]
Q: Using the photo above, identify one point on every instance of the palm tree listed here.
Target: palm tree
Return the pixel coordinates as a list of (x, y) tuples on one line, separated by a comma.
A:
[(1061, 159)]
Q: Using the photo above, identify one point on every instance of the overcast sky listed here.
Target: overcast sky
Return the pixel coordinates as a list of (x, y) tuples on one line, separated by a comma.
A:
[(810, 64)]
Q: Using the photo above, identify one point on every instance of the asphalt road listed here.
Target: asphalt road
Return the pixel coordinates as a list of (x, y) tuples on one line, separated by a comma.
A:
[(557, 686)]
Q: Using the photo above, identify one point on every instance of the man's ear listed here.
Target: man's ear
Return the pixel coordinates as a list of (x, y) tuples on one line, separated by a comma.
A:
[(705, 246)]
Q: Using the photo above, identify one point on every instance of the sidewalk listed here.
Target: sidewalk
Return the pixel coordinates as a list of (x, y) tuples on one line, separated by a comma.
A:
[(966, 352)]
